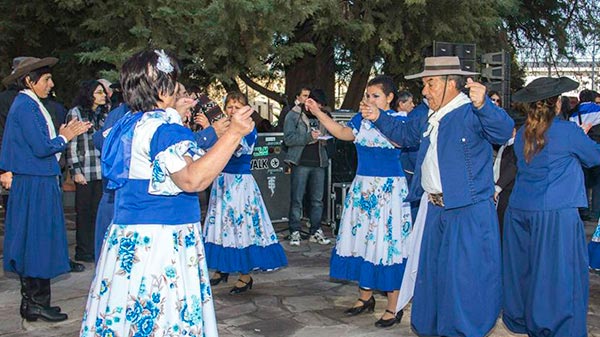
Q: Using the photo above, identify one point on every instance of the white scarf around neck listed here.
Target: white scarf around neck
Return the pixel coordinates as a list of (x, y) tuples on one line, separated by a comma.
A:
[(45, 113), (430, 169)]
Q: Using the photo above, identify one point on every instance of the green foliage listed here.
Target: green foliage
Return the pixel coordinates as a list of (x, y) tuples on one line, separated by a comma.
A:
[(304, 40)]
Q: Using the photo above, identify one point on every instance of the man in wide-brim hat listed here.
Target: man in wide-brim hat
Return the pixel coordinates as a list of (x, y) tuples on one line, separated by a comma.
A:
[(545, 269), (35, 241), (458, 284)]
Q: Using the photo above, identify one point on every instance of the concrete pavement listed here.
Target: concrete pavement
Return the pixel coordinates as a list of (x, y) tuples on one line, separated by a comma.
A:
[(297, 301)]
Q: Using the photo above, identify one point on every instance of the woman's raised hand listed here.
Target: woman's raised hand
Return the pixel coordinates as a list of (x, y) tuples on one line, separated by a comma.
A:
[(312, 106), (241, 121), (74, 128), (369, 111), (201, 120)]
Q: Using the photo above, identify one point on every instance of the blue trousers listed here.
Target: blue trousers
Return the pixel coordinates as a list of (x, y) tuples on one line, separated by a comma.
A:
[(546, 281), (104, 217), (458, 289), (309, 180)]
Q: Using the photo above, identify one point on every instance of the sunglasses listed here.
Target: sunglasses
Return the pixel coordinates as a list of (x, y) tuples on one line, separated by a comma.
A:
[(495, 100)]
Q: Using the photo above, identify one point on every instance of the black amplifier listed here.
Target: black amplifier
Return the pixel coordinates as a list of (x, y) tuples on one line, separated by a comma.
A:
[(272, 174)]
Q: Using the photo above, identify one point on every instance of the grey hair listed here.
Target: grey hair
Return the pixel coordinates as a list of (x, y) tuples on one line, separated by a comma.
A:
[(404, 95)]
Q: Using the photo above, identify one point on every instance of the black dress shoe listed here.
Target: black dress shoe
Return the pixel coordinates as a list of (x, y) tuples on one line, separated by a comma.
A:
[(386, 323), (223, 277), (368, 305), (48, 314), (76, 267), (247, 285)]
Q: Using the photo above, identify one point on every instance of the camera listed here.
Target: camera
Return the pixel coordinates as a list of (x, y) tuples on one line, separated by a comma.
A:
[(200, 107)]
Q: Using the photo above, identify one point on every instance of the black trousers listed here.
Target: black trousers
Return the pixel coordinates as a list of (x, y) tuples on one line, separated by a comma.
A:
[(501, 208), (87, 198)]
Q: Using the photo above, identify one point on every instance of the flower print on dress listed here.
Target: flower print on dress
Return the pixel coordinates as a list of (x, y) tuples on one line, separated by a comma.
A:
[(103, 325), (167, 162), (127, 254), (596, 235), (237, 218), (373, 230), (369, 136), (190, 239), (104, 286)]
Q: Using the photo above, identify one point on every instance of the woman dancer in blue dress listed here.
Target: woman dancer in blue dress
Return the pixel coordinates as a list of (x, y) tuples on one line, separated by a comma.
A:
[(151, 278), (35, 242), (238, 234), (546, 279), (371, 245)]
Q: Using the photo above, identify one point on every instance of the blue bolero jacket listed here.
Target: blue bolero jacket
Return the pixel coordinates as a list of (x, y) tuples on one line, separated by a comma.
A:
[(26, 145), (464, 150), (554, 178)]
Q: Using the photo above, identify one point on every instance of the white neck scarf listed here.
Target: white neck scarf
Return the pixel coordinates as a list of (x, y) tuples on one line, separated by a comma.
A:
[(45, 113), (430, 169), (434, 121)]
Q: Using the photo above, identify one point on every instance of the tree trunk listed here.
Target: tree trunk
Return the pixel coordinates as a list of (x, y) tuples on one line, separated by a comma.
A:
[(231, 85), (316, 71), (356, 89)]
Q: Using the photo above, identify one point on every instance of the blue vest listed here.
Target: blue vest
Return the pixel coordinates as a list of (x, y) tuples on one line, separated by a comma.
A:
[(464, 150)]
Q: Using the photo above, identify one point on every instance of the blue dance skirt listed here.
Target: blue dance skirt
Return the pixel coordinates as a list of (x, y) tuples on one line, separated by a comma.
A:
[(35, 242)]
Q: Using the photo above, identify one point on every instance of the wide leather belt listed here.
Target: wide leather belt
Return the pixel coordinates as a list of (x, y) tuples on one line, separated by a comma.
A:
[(437, 199)]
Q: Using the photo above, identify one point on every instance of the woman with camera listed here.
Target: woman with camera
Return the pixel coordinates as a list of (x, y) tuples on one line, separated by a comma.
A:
[(238, 233)]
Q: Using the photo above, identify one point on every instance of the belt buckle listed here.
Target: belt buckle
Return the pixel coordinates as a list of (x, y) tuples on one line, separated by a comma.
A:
[(437, 199)]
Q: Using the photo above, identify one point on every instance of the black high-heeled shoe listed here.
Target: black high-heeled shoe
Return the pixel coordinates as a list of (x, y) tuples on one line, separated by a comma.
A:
[(223, 277), (247, 285), (368, 305), (386, 323)]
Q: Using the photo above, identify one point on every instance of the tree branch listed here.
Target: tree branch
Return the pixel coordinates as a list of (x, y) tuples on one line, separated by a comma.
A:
[(262, 90)]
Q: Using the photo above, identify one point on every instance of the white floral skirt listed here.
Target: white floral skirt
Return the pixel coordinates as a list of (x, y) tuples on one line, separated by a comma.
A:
[(238, 233), (372, 245), (151, 280)]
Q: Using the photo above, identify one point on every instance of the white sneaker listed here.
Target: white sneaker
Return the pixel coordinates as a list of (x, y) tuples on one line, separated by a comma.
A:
[(319, 238), (295, 239)]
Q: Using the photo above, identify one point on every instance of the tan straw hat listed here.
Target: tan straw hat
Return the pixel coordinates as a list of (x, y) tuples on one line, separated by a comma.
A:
[(27, 65), (441, 66)]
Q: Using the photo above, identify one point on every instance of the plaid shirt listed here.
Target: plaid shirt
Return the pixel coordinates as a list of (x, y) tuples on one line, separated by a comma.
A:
[(82, 156)]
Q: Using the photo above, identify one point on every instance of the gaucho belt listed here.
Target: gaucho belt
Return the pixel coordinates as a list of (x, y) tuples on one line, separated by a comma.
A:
[(437, 199)]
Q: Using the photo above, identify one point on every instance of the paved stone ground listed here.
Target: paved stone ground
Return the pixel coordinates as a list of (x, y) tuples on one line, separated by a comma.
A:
[(297, 301)]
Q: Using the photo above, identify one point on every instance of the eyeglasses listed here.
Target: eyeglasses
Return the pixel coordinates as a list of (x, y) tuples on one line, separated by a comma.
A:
[(495, 100)]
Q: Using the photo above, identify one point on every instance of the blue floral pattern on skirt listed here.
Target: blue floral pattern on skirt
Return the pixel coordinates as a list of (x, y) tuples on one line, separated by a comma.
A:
[(596, 235), (375, 222), (238, 232), (151, 280), (237, 216)]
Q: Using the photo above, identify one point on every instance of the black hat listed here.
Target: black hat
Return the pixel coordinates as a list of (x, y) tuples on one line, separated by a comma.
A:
[(319, 96), (544, 87)]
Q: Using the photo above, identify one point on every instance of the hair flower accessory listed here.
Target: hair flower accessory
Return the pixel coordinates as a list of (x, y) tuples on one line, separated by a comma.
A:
[(164, 62)]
